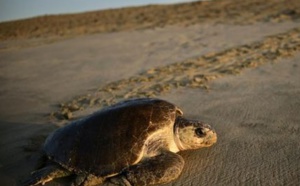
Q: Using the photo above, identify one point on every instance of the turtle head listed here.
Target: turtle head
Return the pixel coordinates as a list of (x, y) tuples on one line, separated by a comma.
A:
[(192, 134)]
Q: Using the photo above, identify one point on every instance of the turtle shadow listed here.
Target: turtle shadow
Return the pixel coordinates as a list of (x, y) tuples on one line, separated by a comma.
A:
[(20, 145)]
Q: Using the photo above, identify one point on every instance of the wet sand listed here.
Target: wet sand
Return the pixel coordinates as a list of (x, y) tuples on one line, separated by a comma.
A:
[(242, 79)]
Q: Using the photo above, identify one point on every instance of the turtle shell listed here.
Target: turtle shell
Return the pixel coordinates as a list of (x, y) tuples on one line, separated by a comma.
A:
[(110, 139)]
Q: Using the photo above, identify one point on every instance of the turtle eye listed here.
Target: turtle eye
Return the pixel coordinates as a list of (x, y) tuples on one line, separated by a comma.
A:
[(200, 132)]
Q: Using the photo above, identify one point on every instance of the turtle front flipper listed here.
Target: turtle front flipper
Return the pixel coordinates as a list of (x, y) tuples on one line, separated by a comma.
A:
[(155, 170), (87, 180), (45, 174)]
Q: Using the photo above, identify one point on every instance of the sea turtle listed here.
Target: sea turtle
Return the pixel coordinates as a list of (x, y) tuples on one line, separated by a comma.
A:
[(133, 142)]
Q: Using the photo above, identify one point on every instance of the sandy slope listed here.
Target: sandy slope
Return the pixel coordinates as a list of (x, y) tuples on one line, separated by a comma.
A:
[(56, 27), (255, 113)]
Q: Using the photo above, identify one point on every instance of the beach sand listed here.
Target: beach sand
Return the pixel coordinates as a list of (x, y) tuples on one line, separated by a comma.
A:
[(257, 118), (242, 79)]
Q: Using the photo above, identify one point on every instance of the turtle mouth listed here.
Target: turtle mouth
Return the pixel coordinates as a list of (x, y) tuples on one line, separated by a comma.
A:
[(211, 138), (208, 143)]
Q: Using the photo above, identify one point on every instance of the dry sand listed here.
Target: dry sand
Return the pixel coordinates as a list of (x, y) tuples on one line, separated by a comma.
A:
[(242, 79), (257, 118)]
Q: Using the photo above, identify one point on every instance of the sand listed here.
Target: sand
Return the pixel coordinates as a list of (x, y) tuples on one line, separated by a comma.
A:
[(242, 79), (257, 118), (49, 28)]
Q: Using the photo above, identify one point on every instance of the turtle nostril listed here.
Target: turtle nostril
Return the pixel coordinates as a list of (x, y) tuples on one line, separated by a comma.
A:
[(200, 132)]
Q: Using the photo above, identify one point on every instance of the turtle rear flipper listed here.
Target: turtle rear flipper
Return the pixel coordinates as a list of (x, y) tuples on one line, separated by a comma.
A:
[(46, 174)]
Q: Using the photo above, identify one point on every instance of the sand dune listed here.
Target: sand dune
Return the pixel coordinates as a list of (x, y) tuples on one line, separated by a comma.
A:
[(56, 27)]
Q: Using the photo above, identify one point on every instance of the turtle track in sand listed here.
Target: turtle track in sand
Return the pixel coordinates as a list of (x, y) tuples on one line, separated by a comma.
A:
[(193, 73)]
